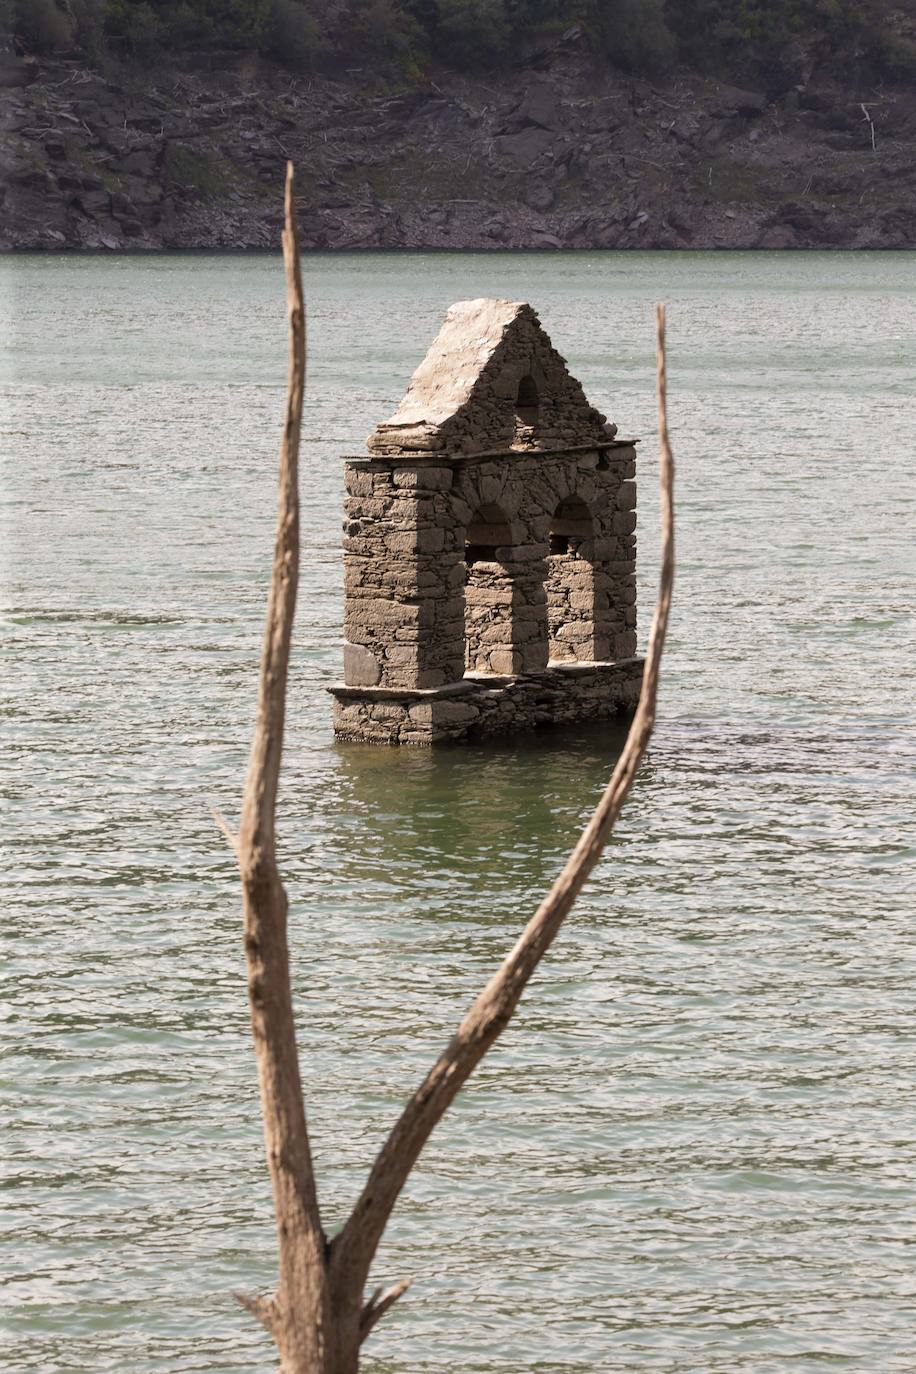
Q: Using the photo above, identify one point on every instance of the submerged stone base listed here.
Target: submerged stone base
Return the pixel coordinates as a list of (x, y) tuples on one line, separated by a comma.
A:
[(482, 704)]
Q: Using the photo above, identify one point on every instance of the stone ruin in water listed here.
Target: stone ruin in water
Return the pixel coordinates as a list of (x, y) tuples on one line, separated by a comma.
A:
[(489, 547)]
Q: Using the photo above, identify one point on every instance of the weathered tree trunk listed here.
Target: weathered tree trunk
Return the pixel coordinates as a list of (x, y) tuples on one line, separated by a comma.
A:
[(318, 1316), (313, 1325)]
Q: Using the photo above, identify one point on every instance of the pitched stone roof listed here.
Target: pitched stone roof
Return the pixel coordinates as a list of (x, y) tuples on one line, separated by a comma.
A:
[(462, 398)]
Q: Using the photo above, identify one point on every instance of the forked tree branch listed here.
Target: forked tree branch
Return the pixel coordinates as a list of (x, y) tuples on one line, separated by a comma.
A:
[(353, 1249), (317, 1317), (301, 1239), (379, 1303)]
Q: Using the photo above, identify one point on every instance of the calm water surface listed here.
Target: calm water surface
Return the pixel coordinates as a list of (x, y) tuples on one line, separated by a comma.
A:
[(694, 1150)]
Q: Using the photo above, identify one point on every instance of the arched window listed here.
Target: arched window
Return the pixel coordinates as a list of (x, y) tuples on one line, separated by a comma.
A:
[(527, 402), (570, 586), (488, 531), (505, 609), (570, 526), (488, 593)]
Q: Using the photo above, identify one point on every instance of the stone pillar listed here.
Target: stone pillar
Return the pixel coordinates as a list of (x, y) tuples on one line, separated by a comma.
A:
[(620, 570), (573, 609), (488, 618), (403, 580), (529, 607)]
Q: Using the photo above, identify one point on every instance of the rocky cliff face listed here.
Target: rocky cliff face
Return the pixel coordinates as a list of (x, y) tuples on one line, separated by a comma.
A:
[(556, 153)]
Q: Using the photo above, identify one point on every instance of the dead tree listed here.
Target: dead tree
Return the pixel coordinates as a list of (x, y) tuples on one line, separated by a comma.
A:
[(319, 1315)]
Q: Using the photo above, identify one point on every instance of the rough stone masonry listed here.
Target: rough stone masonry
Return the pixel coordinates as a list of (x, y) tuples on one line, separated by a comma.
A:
[(489, 546)]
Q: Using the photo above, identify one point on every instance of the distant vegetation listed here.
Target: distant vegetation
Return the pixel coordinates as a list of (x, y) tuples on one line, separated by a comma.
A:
[(751, 40)]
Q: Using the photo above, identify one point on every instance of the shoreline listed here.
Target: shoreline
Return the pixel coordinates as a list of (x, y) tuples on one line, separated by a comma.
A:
[(565, 158)]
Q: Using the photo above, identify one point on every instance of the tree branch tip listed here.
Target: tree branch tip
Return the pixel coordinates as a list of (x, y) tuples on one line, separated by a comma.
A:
[(231, 838), (262, 1308), (381, 1301)]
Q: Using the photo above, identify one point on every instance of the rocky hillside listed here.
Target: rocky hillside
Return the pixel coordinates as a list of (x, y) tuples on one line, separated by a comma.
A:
[(557, 151)]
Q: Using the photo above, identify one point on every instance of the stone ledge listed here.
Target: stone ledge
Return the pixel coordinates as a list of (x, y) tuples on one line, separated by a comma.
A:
[(431, 458), (472, 683), (486, 705), (343, 692)]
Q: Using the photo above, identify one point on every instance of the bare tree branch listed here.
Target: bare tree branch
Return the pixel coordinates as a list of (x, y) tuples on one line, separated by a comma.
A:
[(382, 1299), (317, 1317), (353, 1249), (300, 1235), (222, 824), (265, 1309)]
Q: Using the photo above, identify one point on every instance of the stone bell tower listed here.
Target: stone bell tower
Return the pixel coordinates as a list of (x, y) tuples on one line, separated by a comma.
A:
[(489, 546)]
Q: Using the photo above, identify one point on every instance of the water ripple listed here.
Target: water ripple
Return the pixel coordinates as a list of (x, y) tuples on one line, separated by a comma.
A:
[(694, 1149)]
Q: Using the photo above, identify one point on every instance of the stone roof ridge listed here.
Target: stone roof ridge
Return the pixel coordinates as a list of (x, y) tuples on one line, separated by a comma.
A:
[(467, 395)]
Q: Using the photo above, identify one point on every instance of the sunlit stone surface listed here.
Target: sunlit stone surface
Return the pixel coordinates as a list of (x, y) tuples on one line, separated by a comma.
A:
[(489, 546)]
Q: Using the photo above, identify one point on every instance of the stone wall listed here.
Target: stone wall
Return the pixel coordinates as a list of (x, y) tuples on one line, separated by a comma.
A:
[(571, 609), (430, 595), (404, 579), (479, 707), (463, 398)]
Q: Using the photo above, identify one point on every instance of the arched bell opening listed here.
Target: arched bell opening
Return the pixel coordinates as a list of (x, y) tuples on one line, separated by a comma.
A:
[(488, 592), (571, 585), (571, 527), (504, 609), (527, 401), (488, 531)]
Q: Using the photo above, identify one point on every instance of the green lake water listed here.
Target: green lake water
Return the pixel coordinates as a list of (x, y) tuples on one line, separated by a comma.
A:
[(694, 1150)]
